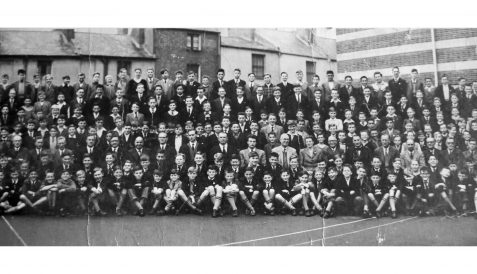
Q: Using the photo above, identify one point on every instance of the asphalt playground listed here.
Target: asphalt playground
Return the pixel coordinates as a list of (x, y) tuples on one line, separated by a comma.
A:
[(191, 230)]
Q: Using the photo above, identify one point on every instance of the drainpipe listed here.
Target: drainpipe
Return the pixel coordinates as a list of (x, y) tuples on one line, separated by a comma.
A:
[(434, 55)]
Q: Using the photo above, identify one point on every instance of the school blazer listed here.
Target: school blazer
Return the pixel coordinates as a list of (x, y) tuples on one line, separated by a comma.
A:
[(343, 189)]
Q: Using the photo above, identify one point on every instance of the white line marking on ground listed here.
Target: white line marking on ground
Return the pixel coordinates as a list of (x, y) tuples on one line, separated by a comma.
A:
[(357, 231), (14, 231), (294, 233), (87, 230)]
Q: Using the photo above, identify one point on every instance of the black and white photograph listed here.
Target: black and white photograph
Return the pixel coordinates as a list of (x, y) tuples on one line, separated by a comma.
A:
[(206, 135)]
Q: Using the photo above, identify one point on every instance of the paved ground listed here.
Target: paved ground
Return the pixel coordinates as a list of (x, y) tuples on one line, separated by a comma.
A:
[(193, 230)]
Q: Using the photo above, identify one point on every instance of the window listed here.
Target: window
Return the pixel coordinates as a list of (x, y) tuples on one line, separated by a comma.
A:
[(258, 65), (44, 67), (124, 64), (193, 42), (310, 71), (195, 68)]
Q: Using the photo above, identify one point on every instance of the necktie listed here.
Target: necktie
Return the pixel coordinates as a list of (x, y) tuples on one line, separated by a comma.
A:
[(285, 159), (193, 147)]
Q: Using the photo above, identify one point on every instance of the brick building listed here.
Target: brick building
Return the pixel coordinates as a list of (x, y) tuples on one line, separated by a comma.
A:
[(70, 51), (187, 49), (432, 51)]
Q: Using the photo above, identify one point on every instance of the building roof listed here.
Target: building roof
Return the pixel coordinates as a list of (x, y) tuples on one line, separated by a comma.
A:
[(239, 42), (290, 43), (54, 43)]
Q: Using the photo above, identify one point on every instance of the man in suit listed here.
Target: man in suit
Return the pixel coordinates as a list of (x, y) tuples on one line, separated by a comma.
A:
[(390, 130), (358, 152), (166, 84), (469, 101), (414, 85), (152, 115), (138, 150), (452, 155), (285, 87), (3, 87), (60, 151), (272, 127), (219, 103), (397, 85), (234, 83), (329, 85), (314, 86), (223, 147), (460, 90), (17, 151), (163, 145), (297, 101), (419, 103), (409, 155), (191, 148), (346, 91), (368, 101), (101, 100), (135, 115), (244, 154), (191, 85), (50, 89), (444, 90), (258, 102), (22, 87), (250, 87), (275, 103), (363, 85), (67, 89), (151, 80), (431, 150), (285, 153), (37, 150), (220, 83), (304, 85), (93, 150), (118, 151), (82, 85)]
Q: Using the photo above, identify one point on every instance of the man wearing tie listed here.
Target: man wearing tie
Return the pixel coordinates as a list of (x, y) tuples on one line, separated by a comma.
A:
[(258, 102), (223, 147), (444, 90), (414, 85), (151, 80), (234, 83), (285, 153), (166, 84), (192, 147), (250, 88), (220, 83)]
